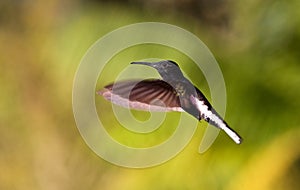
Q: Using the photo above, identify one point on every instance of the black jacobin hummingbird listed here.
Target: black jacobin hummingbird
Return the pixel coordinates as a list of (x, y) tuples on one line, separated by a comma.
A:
[(173, 93)]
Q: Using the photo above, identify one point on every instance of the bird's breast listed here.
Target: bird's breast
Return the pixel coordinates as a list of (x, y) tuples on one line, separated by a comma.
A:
[(180, 89)]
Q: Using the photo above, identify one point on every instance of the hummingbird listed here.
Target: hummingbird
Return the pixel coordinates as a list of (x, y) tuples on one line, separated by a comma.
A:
[(174, 92)]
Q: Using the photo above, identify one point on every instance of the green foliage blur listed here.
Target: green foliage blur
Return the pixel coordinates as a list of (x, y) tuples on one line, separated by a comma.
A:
[(256, 44)]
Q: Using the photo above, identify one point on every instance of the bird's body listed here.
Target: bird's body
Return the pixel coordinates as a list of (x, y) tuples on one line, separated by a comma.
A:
[(173, 93)]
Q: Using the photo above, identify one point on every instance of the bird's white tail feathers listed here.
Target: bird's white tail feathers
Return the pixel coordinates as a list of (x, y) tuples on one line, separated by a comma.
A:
[(232, 134), (216, 120)]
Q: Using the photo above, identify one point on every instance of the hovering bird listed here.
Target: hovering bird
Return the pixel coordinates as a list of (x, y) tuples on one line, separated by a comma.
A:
[(173, 93)]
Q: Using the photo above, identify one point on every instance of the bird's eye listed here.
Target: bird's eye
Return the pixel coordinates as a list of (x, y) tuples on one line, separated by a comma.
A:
[(164, 64)]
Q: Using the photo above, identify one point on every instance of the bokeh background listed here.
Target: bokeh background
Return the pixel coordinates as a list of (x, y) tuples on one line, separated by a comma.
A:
[(255, 42)]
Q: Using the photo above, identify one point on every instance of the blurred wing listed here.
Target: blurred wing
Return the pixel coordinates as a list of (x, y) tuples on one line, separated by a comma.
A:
[(147, 95)]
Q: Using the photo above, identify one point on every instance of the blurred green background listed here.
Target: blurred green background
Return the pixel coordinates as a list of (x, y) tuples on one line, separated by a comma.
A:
[(256, 43)]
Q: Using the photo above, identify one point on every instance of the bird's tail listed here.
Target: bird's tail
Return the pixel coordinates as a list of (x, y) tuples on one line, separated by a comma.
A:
[(231, 133), (212, 117), (217, 121)]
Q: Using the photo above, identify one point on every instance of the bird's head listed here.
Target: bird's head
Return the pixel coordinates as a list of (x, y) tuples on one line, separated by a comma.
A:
[(167, 68)]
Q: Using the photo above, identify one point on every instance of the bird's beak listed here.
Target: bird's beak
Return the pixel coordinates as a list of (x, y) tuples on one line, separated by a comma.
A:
[(143, 63)]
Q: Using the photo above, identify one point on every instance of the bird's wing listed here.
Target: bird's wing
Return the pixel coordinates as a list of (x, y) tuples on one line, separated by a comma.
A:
[(147, 95)]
